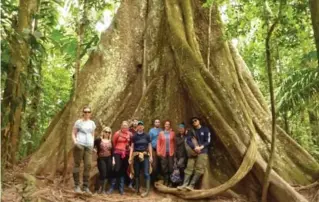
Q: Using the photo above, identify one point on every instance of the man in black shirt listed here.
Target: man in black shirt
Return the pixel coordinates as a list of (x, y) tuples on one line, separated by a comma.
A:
[(197, 143)]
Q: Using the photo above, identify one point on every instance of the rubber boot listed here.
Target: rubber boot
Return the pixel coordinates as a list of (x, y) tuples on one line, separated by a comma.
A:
[(166, 179), (191, 185), (137, 185), (121, 185), (185, 183), (148, 182), (113, 183)]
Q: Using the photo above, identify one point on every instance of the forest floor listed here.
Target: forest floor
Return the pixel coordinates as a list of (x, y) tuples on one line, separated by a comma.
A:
[(16, 186)]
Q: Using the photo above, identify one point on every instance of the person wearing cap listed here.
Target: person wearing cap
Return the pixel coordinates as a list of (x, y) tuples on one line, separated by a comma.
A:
[(141, 156), (165, 151), (180, 154), (154, 136), (83, 140), (103, 145), (121, 140), (197, 143)]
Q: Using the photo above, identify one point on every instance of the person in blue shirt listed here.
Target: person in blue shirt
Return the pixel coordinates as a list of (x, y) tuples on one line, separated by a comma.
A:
[(197, 144), (153, 133), (141, 157)]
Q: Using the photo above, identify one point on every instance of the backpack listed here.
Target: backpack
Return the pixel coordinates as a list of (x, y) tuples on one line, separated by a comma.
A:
[(190, 152), (176, 176)]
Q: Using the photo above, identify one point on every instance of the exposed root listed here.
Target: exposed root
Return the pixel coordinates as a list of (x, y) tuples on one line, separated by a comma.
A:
[(244, 168), (299, 188)]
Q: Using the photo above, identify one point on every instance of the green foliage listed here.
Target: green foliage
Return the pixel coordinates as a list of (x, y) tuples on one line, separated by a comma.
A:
[(294, 58), (53, 55), (298, 89)]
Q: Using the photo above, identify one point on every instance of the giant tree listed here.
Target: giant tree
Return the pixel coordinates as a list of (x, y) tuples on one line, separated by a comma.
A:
[(151, 63)]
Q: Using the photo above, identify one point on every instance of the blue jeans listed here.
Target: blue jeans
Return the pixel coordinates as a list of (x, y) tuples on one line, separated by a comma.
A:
[(139, 164)]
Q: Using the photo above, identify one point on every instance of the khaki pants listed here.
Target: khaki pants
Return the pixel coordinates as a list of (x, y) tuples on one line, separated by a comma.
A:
[(80, 153), (196, 164)]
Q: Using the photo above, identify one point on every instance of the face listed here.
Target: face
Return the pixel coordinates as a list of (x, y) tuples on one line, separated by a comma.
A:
[(124, 126), (157, 123), (87, 112), (106, 134), (135, 123), (195, 122), (140, 128), (167, 125), (181, 130)]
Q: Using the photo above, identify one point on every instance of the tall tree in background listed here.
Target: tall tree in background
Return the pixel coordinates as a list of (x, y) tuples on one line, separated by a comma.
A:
[(171, 38), (314, 10), (269, 65), (14, 95)]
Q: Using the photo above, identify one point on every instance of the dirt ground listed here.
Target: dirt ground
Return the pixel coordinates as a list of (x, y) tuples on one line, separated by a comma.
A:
[(16, 186)]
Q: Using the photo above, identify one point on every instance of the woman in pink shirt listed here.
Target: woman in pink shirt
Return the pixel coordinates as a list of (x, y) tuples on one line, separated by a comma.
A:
[(103, 145), (165, 150), (121, 141)]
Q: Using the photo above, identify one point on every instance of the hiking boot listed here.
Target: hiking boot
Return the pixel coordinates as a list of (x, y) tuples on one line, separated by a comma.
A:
[(148, 182), (185, 183), (137, 185), (103, 187), (191, 185), (86, 190), (77, 189), (113, 182), (130, 186), (121, 185)]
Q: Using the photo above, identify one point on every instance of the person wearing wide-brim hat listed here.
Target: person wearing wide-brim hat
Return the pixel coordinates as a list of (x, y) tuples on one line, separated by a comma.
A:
[(141, 156)]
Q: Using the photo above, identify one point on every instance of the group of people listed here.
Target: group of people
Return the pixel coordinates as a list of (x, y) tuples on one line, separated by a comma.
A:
[(179, 158)]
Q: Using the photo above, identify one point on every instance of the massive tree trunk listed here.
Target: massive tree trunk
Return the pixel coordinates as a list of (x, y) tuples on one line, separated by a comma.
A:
[(150, 63), (14, 92)]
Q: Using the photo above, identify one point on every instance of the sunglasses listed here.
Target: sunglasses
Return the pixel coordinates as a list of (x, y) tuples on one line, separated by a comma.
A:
[(107, 132), (195, 120), (86, 112)]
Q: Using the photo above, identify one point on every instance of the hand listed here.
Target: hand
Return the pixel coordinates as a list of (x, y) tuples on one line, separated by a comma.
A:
[(94, 150), (74, 141), (130, 161), (198, 149), (151, 159), (113, 161)]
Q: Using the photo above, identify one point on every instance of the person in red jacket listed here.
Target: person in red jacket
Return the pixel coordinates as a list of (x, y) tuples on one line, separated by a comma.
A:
[(121, 141), (165, 151)]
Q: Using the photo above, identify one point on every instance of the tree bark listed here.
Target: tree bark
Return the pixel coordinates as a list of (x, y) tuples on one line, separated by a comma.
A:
[(34, 92), (14, 93), (314, 11), (272, 103), (178, 86)]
